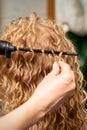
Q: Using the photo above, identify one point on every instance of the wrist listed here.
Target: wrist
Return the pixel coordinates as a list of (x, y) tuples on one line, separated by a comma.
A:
[(35, 109), (40, 105)]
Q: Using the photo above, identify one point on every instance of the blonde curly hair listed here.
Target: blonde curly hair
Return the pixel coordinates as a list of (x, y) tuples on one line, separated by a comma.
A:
[(21, 74)]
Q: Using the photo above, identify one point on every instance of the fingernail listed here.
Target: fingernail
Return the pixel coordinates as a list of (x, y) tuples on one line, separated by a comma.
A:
[(55, 64)]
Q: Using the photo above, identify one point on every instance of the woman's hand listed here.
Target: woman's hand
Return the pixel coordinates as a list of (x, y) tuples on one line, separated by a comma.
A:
[(56, 87)]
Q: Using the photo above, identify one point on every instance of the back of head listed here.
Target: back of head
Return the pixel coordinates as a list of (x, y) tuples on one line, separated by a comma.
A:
[(21, 74)]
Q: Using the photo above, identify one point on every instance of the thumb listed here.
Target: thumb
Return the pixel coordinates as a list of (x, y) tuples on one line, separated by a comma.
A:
[(56, 68)]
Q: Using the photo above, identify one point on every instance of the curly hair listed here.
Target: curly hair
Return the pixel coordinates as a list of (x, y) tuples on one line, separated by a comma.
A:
[(21, 74)]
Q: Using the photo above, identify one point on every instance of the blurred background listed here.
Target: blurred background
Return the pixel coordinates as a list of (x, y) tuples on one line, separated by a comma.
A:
[(70, 14)]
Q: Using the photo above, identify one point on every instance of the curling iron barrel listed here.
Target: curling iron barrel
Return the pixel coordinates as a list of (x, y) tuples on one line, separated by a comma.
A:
[(6, 48)]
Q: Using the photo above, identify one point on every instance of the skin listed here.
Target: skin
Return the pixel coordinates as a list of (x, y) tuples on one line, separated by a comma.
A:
[(28, 114)]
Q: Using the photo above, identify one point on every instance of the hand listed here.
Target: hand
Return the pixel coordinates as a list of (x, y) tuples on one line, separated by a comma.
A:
[(56, 87)]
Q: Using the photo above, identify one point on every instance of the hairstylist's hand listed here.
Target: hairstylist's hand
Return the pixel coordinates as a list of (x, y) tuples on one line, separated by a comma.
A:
[(56, 87)]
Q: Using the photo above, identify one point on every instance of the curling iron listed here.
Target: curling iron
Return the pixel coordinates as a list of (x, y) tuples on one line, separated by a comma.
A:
[(6, 48)]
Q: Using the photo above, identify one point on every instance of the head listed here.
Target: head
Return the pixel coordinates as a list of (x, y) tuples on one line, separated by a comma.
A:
[(21, 74)]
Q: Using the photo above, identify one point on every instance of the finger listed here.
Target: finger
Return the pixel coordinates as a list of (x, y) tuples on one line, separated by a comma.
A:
[(64, 67), (34, 127), (56, 68), (73, 76)]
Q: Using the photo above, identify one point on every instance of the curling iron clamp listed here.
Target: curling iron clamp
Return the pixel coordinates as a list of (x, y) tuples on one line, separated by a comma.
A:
[(6, 48)]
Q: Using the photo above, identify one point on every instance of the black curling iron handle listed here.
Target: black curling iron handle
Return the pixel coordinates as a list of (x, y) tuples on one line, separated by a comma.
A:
[(6, 48)]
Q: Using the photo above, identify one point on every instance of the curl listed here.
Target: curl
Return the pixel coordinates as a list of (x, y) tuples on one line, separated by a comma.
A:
[(21, 74)]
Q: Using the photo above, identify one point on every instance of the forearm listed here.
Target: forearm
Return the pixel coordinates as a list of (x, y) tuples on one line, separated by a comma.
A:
[(22, 117), (51, 92)]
